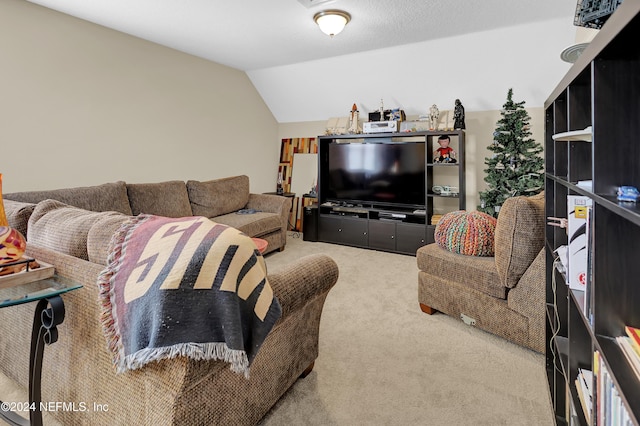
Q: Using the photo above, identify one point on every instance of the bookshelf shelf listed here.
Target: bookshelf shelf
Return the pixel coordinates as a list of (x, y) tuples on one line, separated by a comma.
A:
[(596, 102)]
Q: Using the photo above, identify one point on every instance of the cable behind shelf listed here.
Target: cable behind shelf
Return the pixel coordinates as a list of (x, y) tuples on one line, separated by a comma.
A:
[(555, 326)]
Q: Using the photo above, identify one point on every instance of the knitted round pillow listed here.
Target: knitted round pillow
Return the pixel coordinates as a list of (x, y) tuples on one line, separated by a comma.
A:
[(469, 233)]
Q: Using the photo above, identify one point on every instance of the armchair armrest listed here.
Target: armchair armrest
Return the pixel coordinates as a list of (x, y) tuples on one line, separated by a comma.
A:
[(528, 299), (295, 284)]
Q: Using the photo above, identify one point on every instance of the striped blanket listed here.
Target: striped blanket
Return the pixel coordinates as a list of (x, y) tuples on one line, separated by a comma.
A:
[(184, 287)]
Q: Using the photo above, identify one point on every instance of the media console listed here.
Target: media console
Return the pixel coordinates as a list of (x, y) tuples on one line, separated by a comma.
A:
[(376, 193), (371, 227)]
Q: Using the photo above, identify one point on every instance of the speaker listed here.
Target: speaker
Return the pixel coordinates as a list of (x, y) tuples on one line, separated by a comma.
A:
[(310, 223)]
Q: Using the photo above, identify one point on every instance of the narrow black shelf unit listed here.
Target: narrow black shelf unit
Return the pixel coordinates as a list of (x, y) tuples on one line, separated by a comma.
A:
[(599, 98), (394, 226)]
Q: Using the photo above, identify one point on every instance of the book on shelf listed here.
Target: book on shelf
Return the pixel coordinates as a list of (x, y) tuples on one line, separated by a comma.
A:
[(584, 383), (634, 335), (589, 231), (598, 387), (610, 408), (577, 207), (629, 353)]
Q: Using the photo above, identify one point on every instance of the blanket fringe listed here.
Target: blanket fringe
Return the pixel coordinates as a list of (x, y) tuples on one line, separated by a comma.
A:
[(198, 351), (108, 316)]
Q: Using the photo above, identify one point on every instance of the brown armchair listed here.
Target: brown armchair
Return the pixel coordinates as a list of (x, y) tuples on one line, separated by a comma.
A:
[(504, 294)]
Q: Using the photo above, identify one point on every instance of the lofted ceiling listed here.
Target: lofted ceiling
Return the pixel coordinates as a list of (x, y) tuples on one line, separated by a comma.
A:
[(258, 34)]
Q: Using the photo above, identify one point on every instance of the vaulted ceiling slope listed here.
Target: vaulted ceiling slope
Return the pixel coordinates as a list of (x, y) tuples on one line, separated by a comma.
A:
[(255, 34), (411, 53)]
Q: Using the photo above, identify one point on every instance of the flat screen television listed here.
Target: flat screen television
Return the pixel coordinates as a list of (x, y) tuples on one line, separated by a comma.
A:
[(385, 174)]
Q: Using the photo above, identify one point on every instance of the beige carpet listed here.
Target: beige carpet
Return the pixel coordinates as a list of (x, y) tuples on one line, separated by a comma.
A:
[(384, 362)]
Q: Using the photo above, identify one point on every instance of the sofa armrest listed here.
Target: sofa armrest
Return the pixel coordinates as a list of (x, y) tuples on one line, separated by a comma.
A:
[(295, 284), (269, 203), (272, 204)]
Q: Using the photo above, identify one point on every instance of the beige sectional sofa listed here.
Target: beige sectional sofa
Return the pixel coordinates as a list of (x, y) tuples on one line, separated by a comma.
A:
[(219, 200), (503, 294), (179, 391)]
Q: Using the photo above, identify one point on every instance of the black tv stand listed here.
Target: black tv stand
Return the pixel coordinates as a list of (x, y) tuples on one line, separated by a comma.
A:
[(371, 227), (396, 228)]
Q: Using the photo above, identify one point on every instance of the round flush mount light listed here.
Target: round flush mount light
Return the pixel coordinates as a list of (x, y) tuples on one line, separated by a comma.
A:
[(332, 22), (573, 52)]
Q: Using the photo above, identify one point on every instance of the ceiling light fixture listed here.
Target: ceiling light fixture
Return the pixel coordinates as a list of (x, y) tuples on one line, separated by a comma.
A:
[(332, 22)]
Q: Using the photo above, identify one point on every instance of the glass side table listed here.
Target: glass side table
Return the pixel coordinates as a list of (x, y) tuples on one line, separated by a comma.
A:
[(48, 315)]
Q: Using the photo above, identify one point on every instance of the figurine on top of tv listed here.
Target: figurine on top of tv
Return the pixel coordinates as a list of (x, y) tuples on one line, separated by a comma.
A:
[(458, 115), (434, 116), (354, 120), (444, 154)]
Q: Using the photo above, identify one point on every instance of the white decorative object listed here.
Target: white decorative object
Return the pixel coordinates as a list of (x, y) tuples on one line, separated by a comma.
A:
[(337, 126), (434, 115), (354, 120), (575, 135)]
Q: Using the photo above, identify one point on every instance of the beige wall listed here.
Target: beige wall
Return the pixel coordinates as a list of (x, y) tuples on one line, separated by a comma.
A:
[(81, 105), (479, 135)]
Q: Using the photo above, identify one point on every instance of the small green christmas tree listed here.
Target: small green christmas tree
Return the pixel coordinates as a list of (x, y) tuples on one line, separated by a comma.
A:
[(515, 168)]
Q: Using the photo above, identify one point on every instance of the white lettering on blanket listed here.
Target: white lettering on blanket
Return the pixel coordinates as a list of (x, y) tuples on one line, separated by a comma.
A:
[(157, 252), (166, 240)]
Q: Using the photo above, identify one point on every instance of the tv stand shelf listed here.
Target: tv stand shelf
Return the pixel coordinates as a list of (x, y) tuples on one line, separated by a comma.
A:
[(382, 219)]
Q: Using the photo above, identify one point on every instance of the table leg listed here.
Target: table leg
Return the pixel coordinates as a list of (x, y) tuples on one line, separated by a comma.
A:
[(13, 419), (48, 315)]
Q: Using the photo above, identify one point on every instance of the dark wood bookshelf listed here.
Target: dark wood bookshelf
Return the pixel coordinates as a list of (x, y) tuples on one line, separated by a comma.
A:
[(601, 90)]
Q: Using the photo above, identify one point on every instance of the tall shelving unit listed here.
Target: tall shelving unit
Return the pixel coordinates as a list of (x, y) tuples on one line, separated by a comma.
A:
[(592, 133)]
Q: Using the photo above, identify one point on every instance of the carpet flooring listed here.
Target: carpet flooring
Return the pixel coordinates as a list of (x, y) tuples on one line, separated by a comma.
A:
[(382, 361)]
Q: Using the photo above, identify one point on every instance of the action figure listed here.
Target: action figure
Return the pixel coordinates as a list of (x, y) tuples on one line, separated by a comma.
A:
[(434, 115), (458, 116), (444, 154)]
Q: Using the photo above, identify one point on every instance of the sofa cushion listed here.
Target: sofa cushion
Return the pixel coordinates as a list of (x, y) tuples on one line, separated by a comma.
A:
[(217, 197), (469, 233), (100, 198), (519, 236), (100, 234), (253, 225), (474, 272), (18, 214), (169, 199), (62, 228)]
